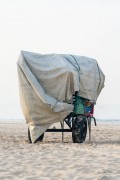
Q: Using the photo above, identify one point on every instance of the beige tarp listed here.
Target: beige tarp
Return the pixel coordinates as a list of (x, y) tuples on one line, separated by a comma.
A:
[(47, 83)]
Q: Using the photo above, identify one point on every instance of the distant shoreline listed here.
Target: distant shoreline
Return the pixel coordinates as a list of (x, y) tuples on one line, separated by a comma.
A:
[(99, 121), (19, 121)]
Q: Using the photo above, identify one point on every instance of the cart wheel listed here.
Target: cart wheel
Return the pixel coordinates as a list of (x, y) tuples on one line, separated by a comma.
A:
[(79, 129), (39, 139)]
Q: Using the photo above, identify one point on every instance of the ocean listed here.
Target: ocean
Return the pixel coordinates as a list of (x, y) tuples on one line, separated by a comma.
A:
[(107, 114), (99, 121)]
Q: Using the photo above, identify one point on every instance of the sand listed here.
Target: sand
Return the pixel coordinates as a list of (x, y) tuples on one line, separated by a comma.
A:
[(52, 159)]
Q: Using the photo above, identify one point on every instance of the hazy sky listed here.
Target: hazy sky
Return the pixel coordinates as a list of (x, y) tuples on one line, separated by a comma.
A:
[(83, 27)]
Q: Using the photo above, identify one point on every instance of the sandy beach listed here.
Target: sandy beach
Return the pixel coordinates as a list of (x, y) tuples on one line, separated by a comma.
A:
[(52, 159)]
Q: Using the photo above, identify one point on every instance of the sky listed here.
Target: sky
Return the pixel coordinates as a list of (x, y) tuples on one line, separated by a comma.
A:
[(82, 27)]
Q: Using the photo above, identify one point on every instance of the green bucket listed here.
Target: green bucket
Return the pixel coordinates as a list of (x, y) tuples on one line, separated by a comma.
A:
[(79, 105)]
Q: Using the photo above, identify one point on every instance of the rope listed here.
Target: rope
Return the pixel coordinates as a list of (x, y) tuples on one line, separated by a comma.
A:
[(76, 67)]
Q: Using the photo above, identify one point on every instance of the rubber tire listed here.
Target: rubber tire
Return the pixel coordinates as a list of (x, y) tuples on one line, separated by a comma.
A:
[(79, 129), (39, 139)]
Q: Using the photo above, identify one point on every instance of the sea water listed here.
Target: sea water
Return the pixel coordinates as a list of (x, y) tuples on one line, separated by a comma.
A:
[(103, 114)]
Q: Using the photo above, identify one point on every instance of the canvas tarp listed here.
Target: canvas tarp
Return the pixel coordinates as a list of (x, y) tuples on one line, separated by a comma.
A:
[(47, 83)]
